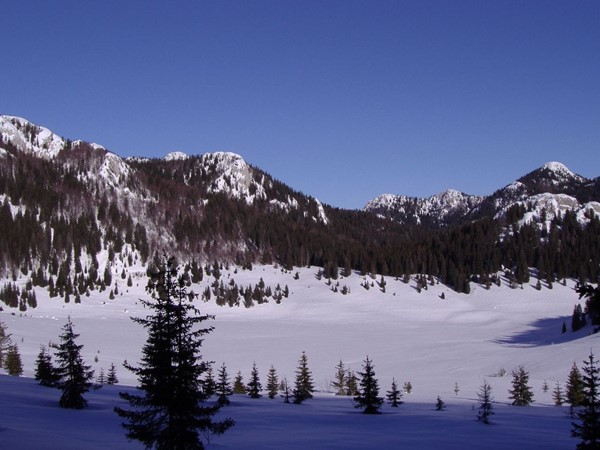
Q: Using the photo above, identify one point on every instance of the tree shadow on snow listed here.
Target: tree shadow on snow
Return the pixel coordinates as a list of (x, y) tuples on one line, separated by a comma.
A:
[(545, 332)]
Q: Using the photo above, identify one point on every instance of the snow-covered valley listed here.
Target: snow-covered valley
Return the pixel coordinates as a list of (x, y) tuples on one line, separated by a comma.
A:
[(435, 343)]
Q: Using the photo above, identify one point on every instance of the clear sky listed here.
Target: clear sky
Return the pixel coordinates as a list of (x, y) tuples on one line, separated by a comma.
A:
[(343, 100)]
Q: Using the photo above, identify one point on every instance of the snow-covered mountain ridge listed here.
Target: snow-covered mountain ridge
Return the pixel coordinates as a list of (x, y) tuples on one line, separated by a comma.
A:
[(546, 192)]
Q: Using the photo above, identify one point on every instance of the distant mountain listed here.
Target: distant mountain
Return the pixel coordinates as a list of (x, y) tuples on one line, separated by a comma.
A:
[(544, 193), (444, 209)]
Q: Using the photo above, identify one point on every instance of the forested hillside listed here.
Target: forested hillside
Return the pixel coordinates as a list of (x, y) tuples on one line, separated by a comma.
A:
[(70, 209)]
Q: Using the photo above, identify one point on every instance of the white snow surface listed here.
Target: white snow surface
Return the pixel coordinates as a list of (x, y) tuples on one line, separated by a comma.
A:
[(174, 156), (561, 171), (45, 144), (410, 336)]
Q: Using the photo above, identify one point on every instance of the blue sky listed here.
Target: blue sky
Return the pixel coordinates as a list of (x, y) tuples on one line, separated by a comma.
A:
[(343, 100)]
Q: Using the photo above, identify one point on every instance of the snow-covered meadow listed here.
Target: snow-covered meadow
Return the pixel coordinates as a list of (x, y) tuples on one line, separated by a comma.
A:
[(432, 342)]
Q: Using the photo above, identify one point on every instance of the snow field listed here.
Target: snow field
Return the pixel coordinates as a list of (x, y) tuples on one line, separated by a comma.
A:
[(411, 336)]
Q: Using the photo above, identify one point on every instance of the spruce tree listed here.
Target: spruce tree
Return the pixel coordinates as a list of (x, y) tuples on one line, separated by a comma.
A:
[(368, 395), (111, 376), (74, 376), (12, 363), (588, 430), (101, 379), (286, 391), (238, 384), (574, 387), (209, 381), (45, 372), (223, 387), (520, 394), (254, 386), (169, 412), (303, 386), (339, 382), (351, 384), (557, 395), (394, 395), (272, 383), (485, 403)]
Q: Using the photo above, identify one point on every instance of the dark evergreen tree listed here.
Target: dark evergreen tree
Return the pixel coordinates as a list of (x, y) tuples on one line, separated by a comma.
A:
[(101, 379), (351, 384), (588, 428), (485, 403), (254, 386), (111, 376), (557, 395), (12, 363), (368, 395), (170, 411), (574, 388), (286, 391), (303, 387), (592, 304), (272, 383), (238, 384), (439, 405), (75, 376), (520, 394), (209, 383), (339, 382), (578, 318), (45, 371), (394, 395), (223, 387)]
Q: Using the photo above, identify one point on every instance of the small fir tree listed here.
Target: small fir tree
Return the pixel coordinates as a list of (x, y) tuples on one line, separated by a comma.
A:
[(45, 372), (111, 377), (238, 384), (545, 386), (12, 363), (209, 381), (223, 388), (440, 405), (520, 394), (75, 376), (351, 384), (485, 403), (339, 382), (408, 387), (588, 428), (303, 386), (557, 395), (254, 386), (272, 383), (101, 379), (286, 391), (368, 396), (456, 389), (574, 389), (394, 395)]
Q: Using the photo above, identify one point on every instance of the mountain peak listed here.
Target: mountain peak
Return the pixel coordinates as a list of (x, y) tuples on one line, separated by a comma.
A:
[(175, 156), (557, 167)]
